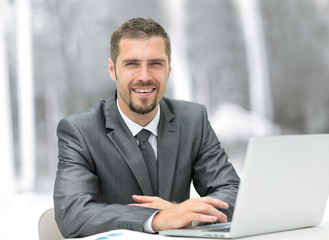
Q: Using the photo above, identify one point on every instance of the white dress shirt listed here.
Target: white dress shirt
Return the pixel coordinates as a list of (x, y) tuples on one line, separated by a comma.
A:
[(135, 129)]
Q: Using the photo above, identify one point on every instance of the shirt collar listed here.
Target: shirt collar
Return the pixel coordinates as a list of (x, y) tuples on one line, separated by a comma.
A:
[(136, 128)]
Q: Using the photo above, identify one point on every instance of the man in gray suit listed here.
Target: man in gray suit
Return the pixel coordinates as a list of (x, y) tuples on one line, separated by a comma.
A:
[(104, 181)]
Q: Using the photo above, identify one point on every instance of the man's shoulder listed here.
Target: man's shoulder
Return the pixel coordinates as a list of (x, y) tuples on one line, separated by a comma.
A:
[(93, 112), (182, 106)]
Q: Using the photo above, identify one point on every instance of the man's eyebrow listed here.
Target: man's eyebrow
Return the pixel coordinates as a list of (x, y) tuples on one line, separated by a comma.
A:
[(131, 60), (157, 60)]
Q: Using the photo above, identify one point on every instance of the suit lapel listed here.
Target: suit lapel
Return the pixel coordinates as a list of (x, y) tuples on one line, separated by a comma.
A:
[(126, 144), (168, 139)]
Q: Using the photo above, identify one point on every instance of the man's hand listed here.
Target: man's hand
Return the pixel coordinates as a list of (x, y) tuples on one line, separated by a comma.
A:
[(173, 216), (151, 202), (183, 214)]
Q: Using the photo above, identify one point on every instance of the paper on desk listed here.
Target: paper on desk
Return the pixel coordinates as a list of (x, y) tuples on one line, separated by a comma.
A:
[(122, 234)]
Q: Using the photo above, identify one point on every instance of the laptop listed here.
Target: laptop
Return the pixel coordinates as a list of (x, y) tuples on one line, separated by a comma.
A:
[(284, 186)]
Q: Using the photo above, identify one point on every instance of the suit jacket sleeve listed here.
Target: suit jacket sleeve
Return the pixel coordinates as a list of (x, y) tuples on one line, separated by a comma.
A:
[(214, 175), (77, 210)]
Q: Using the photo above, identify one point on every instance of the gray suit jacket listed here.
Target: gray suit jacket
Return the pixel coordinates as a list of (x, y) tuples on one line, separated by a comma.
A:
[(100, 166)]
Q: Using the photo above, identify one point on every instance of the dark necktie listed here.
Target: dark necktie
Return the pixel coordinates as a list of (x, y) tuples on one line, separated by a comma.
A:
[(149, 157)]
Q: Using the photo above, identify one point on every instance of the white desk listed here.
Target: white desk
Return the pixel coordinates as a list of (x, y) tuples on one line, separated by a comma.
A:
[(320, 232)]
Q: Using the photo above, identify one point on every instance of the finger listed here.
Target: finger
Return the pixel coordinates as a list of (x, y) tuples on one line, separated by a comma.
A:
[(207, 209), (204, 218), (214, 202), (143, 199), (139, 204), (222, 218)]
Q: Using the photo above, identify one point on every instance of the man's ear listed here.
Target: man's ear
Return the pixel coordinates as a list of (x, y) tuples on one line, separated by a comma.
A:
[(112, 69)]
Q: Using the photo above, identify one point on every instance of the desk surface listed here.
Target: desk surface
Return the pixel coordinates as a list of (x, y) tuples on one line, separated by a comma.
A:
[(320, 232)]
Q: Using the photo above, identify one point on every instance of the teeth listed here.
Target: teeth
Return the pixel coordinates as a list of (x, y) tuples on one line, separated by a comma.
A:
[(143, 90)]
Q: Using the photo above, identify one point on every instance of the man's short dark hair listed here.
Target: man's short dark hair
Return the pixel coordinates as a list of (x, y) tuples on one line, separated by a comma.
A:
[(138, 28)]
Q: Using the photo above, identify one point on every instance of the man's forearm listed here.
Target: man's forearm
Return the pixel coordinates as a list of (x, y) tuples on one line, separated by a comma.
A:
[(77, 220)]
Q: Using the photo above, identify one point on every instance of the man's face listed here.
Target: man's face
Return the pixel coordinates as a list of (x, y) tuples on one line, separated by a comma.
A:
[(141, 71)]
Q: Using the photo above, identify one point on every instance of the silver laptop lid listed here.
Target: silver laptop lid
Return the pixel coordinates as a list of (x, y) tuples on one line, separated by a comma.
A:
[(285, 184)]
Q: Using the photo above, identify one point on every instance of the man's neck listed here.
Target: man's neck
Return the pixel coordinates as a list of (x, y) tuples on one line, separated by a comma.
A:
[(141, 119)]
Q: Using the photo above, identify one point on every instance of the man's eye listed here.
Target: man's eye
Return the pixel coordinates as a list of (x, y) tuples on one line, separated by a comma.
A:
[(157, 63), (131, 64)]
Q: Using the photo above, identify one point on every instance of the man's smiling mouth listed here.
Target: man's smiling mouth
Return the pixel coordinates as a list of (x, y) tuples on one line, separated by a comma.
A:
[(147, 90)]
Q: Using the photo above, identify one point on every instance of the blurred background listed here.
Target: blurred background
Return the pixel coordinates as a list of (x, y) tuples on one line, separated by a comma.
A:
[(260, 68)]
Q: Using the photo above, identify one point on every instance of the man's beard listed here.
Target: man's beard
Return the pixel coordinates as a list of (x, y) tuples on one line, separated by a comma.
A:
[(144, 108)]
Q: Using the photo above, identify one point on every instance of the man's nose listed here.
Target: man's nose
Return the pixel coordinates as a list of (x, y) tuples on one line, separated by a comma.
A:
[(144, 72)]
